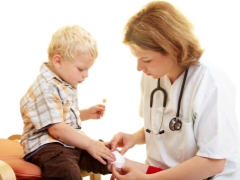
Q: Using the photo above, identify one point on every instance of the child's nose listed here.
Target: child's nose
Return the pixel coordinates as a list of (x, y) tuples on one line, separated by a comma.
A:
[(85, 74)]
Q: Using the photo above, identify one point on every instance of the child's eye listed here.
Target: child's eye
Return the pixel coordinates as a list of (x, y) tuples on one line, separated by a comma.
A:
[(80, 70)]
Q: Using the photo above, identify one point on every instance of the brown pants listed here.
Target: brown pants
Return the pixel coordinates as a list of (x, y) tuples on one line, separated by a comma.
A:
[(59, 162)]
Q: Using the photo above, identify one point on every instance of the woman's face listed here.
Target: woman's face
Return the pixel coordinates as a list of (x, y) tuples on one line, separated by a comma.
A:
[(153, 63)]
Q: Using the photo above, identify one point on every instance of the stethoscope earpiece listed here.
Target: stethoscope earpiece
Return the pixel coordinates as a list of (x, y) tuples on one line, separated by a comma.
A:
[(148, 130), (161, 132)]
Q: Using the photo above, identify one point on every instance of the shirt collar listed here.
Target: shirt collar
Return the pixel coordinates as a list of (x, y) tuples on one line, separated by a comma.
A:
[(49, 75)]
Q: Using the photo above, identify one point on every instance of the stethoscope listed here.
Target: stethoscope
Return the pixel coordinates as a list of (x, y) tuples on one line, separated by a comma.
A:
[(175, 124)]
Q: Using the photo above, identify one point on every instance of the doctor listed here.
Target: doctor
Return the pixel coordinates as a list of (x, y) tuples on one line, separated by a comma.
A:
[(190, 127)]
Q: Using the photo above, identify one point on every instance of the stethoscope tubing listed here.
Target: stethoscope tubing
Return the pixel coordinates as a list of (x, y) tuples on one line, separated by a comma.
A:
[(175, 124), (181, 92), (158, 88)]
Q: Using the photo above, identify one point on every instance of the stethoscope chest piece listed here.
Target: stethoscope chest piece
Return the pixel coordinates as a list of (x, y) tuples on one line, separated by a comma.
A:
[(175, 124)]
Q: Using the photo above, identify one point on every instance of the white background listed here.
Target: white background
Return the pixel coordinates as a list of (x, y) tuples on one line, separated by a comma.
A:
[(26, 29)]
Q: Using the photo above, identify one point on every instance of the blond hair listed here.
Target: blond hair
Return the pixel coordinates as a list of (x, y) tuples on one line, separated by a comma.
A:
[(69, 41), (160, 27)]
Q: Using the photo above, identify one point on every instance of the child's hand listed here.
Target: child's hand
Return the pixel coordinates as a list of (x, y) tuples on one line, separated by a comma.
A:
[(99, 151), (96, 112)]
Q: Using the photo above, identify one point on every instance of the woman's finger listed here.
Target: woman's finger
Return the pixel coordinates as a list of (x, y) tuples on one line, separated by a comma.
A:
[(114, 142), (115, 173)]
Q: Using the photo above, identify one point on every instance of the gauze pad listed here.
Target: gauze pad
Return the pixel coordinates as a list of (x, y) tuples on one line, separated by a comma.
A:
[(120, 161)]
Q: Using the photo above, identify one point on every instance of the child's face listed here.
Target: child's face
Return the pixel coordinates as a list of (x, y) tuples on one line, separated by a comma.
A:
[(75, 71)]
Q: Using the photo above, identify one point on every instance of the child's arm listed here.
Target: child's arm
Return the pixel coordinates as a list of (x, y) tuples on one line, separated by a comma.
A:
[(70, 136), (94, 112)]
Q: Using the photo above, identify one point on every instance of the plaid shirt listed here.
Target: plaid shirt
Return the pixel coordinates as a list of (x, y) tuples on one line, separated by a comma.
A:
[(49, 100)]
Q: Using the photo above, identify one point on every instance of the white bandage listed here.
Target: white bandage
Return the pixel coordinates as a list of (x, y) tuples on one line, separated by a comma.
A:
[(120, 161)]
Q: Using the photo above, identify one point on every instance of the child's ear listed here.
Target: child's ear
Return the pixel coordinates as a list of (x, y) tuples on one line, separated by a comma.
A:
[(57, 61)]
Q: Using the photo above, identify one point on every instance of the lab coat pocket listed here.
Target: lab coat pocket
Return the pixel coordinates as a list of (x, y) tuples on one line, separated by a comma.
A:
[(152, 147), (187, 141)]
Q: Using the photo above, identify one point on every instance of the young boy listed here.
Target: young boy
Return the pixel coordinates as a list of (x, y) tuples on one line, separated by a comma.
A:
[(52, 136)]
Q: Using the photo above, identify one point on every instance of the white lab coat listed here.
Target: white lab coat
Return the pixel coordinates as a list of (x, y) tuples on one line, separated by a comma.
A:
[(209, 124)]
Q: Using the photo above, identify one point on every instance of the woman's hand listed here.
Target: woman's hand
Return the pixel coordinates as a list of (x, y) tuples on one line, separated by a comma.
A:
[(127, 173), (94, 112), (123, 140), (127, 141)]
